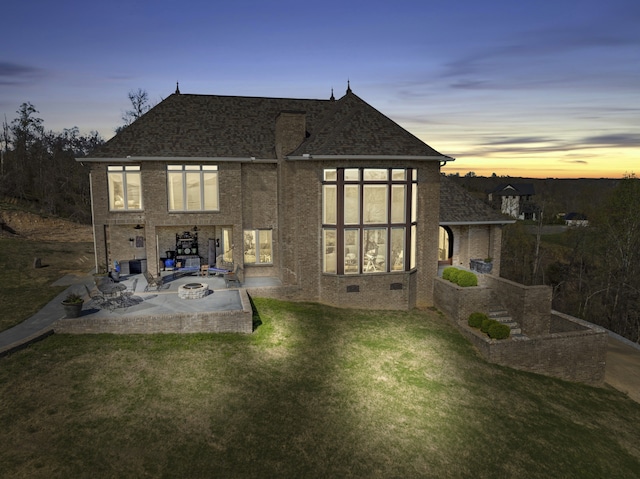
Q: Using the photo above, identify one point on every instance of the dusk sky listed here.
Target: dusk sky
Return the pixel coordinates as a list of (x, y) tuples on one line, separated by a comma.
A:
[(540, 89)]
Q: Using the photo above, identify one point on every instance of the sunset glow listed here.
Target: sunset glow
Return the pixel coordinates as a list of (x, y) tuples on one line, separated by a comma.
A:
[(540, 89)]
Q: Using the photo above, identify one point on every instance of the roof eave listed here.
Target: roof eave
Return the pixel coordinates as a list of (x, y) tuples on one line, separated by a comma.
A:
[(475, 223), (441, 158), (182, 159)]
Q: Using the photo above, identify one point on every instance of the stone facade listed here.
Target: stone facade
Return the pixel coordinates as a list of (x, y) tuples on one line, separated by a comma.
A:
[(286, 198), (113, 230), (473, 228), (271, 155), (477, 241)]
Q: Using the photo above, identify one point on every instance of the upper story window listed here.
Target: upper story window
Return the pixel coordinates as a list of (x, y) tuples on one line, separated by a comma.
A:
[(369, 220), (193, 187), (125, 192)]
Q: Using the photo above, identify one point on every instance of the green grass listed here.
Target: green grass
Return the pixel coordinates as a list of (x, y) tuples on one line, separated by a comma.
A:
[(24, 290), (313, 392)]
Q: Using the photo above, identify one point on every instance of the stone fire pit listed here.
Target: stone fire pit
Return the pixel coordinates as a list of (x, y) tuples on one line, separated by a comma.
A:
[(193, 291)]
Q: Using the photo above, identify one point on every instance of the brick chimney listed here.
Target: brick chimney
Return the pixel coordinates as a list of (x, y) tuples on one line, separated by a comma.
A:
[(290, 132)]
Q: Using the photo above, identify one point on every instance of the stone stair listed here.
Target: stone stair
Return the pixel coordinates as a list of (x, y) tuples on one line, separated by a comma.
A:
[(502, 315)]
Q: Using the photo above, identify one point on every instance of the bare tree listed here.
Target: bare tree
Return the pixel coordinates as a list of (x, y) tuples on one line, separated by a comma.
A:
[(139, 106)]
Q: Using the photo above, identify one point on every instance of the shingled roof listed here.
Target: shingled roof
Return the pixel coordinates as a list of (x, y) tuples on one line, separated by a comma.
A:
[(185, 125), (514, 189), (459, 207)]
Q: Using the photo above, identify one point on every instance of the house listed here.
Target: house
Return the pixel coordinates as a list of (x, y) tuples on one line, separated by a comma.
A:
[(515, 200), (469, 228), (331, 198), (576, 219)]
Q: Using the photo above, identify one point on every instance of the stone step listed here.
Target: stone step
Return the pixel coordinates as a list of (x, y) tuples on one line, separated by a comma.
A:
[(506, 319), (503, 316)]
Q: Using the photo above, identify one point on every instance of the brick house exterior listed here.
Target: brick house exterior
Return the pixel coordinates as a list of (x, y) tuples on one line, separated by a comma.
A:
[(286, 188), (515, 200), (469, 228)]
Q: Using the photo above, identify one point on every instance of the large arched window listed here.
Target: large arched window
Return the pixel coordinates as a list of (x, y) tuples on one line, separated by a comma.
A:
[(369, 220)]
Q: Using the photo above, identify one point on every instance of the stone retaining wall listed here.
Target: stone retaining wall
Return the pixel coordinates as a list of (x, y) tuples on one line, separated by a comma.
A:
[(235, 321), (458, 302), (578, 355), (530, 306), (555, 344)]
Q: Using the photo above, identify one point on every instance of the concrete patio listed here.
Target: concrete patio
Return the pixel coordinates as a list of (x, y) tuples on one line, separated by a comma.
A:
[(153, 310), (154, 304)]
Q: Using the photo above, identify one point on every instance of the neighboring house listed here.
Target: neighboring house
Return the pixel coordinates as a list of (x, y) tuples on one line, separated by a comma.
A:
[(330, 197), (515, 200), (469, 228), (576, 219)]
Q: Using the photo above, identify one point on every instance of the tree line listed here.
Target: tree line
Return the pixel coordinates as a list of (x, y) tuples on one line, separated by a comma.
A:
[(594, 271), (39, 166)]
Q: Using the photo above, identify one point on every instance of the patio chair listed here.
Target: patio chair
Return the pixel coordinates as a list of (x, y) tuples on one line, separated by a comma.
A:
[(129, 292), (99, 300), (190, 266), (221, 267), (127, 298), (153, 282), (231, 277)]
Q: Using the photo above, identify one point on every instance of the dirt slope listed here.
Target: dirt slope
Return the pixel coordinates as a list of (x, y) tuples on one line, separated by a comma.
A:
[(24, 225)]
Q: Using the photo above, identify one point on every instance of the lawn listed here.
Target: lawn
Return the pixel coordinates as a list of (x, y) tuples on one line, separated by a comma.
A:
[(314, 392), (24, 290)]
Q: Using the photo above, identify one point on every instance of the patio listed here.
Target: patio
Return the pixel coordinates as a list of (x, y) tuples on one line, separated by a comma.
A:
[(164, 311)]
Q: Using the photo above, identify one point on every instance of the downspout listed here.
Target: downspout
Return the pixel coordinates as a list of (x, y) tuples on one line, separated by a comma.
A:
[(93, 223)]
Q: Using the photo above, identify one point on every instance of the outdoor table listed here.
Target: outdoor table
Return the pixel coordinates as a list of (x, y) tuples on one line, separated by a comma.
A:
[(113, 290), (111, 294)]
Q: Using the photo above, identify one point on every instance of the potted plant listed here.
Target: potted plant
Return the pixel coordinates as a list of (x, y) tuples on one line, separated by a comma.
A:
[(72, 305)]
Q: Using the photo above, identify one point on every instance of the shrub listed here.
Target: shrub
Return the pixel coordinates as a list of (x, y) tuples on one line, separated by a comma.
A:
[(475, 319), (499, 331), (454, 275), (447, 272), (487, 323), (466, 278), (460, 277)]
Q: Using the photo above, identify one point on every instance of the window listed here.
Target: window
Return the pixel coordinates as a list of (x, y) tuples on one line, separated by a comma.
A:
[(369, 220), (193, 187), (329, 247), (227, 245), (258, 247), (125, 192)]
